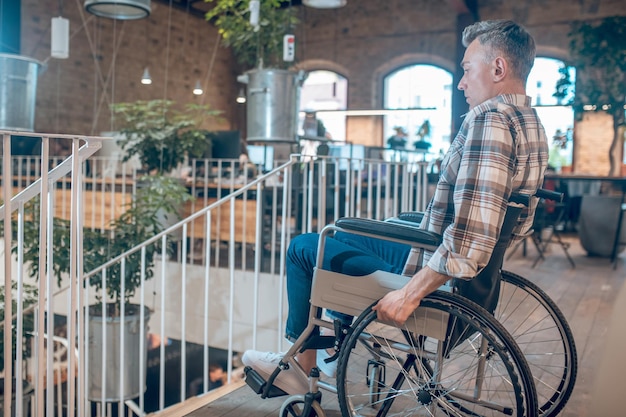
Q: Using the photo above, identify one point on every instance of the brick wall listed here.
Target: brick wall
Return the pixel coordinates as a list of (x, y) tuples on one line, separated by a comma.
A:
[(592, 139), (107, 59), (364, 41)]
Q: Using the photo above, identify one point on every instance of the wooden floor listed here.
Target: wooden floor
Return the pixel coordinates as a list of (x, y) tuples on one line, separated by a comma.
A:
[(589, 296)]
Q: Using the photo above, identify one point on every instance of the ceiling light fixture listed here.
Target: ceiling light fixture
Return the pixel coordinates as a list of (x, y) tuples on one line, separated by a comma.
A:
[(198, 89), (145, 78), (324, 4), (119, 9), (241, 98)]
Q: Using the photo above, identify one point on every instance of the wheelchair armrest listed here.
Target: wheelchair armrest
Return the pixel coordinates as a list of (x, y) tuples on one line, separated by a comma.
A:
[(404, 226), (389, 229), (411, 216)]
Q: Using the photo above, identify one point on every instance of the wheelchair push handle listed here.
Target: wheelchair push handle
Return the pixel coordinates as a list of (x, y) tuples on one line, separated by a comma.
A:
[(549, 195), (524, 199)]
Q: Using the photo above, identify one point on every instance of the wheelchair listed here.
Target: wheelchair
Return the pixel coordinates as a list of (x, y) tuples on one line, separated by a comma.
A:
[(452, 357)]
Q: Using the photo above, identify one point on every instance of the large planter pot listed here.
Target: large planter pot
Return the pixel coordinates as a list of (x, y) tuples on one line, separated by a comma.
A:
[(112, 345), (273, 96), (597, 224)]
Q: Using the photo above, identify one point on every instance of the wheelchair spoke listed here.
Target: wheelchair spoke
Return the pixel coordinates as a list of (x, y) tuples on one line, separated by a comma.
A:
[(461, 368), (543, 336)]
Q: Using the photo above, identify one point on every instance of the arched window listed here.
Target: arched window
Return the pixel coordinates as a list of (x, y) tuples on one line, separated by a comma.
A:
[(414, 95), (323, 92), (557, 118)]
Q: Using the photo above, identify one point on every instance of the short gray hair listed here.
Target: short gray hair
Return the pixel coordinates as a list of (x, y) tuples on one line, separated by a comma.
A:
[(507, 38)]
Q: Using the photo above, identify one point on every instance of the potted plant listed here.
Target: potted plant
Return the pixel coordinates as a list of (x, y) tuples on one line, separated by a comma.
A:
[(423, 133), (273, 91), (254, 45), (162, 138), (142, 220)]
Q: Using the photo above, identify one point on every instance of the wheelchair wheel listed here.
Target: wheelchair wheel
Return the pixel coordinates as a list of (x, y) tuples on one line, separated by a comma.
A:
[(451, 358), (294, 407), (544, 337)]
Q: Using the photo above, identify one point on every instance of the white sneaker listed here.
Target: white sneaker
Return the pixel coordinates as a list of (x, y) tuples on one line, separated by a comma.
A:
[(265, 363), (329, 369)]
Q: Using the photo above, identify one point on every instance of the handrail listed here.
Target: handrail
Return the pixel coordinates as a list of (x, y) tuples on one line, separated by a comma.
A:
[(191, 218), (40, 186), (55, 173)]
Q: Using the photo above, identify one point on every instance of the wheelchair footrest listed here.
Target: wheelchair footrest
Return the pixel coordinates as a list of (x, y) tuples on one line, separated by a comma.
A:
[(258, 383), (318, 342)]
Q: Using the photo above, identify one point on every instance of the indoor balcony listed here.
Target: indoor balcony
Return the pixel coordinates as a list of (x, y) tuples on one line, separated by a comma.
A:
[(203, 285)]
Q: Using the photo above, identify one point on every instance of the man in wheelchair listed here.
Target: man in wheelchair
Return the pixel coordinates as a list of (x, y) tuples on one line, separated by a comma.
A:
[(501, 148)]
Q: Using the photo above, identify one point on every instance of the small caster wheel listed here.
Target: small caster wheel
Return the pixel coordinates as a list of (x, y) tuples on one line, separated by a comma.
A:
[(294, 407)]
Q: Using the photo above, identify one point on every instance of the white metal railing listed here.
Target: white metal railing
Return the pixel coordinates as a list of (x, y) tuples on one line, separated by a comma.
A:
[(217, 283), (18, 188)]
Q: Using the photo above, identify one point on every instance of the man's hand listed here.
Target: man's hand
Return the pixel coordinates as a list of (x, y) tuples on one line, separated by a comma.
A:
[(396, 306)]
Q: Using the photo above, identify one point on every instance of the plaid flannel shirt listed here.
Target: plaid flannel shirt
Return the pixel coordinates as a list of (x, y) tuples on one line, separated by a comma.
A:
[(501, 147)]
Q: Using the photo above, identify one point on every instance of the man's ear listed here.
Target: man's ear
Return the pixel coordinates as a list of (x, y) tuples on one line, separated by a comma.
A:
[(500, 69)]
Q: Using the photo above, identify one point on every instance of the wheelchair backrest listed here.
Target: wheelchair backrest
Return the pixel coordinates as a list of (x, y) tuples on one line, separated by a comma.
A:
[(484, 289)]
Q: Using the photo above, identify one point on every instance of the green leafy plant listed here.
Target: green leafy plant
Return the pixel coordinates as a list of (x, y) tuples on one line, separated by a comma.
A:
[(141, 220), (423, 132), (254, 48), (160, 135), (598, 52)]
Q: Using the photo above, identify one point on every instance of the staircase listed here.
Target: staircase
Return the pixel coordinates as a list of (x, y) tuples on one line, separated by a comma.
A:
[(219, 292)]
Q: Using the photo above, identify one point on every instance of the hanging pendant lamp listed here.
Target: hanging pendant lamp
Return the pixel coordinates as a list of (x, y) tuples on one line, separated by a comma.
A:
[(241, 98), (145, 78), (119, 9)]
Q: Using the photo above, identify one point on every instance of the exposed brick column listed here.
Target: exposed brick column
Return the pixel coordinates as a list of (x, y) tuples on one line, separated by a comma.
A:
[(467, 14)]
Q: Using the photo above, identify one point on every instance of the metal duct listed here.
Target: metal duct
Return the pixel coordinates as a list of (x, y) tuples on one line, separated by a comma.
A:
[(18, 92)]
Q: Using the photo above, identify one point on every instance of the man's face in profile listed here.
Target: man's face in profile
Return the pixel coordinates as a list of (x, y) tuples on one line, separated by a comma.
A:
[(477, 82)]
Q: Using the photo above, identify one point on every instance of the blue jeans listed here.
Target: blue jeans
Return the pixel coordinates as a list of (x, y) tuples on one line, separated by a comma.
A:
[(344, 253)]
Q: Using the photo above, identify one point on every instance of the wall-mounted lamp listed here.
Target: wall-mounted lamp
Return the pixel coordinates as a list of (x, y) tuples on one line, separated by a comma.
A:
[(145, 78), (324, 4), (119, 9), (198, 89), (241, 98)]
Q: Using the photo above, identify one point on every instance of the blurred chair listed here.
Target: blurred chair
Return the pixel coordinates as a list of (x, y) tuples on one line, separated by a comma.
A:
[(547, 225)]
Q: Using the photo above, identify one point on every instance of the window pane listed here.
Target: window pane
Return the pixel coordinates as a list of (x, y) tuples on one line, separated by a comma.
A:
[(419, 87), (557, 119), (542, 81), (325, 90)]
